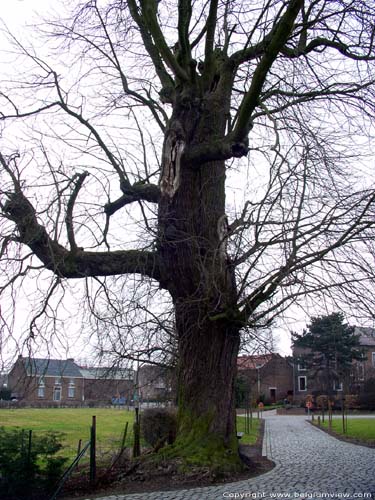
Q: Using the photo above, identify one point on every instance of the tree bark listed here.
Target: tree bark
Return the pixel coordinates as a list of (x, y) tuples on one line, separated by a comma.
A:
[(206, 414), (197, 271)]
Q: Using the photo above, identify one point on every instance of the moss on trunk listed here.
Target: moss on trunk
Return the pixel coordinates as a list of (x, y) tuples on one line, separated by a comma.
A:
[(198, 447)]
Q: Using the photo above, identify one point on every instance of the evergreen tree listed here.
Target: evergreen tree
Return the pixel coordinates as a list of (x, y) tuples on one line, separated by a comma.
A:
[(329, 347)]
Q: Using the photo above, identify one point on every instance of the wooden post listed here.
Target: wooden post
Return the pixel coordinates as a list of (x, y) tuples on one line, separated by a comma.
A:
[(137, 445), (79, 447), (124, 437), (346, 421), (247, 415), (319, 420), (330, 415), (343, 415), (93, 452)]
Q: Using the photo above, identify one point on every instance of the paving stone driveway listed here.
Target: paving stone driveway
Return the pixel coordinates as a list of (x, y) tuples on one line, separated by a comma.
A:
[(309, 464)]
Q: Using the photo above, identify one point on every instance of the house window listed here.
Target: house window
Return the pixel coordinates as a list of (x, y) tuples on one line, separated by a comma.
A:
[(302, 383), (373, 359), (337, 386), (361, 371), (71, 388), (302, 366), (41, 388), (57, 393)]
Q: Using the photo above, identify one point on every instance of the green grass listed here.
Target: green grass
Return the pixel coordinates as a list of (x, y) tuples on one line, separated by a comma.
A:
[(358, 428), (75, 424), (254, 431)]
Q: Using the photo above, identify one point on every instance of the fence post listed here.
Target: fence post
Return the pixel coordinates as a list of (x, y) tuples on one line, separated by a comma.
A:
[(137, 445), (93, 451), (79, 447), (124, 437)]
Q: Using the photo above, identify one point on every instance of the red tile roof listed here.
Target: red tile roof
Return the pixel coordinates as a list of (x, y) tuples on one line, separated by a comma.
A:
[(254, 362)]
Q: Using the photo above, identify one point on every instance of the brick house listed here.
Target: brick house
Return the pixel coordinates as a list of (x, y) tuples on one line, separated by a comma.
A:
[(364, 370), (104, 385), (34, 380), (42, 382), (308, 383), (268, 376)]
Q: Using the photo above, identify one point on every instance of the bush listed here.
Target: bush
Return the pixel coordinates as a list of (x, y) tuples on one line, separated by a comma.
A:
[(24, 468), (158, 426), (5, 394)]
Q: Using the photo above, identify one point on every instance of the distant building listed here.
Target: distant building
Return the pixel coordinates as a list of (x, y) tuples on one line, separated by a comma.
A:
[(269, 376), (307, 382), (63, 382), (156, 383), (364, 370), (102, 385)]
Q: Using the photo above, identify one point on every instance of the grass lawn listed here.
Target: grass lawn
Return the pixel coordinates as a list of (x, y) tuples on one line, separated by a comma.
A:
[(254, 431), (75, 424), (358, 428)]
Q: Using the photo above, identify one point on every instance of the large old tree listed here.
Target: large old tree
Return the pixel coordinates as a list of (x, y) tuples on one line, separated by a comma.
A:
[(123, 133)]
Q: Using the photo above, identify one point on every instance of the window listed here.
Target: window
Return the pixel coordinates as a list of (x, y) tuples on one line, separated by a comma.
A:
[(337, 386), (361, 371), (57, 393), (373, 359), (41, 388), (71, 388), (302, 383), (302, 366)]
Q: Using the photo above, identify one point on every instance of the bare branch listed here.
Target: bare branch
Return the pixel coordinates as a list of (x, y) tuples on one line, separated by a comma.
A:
[(80, 179)]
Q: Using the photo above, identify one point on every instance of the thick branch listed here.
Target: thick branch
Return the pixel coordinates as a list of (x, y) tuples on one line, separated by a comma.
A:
[(323, 43), (210, 39), (78, 264), (69, 213), (153, 52), (184, 16), (276, 44), (216, 150), (137, 192)]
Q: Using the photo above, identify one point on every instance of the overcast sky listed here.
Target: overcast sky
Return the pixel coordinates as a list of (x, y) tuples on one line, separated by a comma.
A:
[(16, 13)]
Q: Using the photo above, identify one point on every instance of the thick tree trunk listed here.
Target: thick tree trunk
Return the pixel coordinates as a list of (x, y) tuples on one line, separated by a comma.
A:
[(207, 355), (196, 270)]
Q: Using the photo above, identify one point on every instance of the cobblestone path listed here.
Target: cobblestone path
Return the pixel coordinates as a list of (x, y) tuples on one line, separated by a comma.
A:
[(309, 464)]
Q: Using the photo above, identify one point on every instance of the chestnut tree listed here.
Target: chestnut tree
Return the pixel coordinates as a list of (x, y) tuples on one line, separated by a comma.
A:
[(216, 149)]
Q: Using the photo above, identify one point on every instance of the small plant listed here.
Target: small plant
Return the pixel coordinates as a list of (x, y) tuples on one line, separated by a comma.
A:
[(158, 426), (28, 462)]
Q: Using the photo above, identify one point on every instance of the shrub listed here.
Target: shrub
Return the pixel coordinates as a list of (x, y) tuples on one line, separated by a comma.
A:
[(5, 394), (28, 462), (158, 426)]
